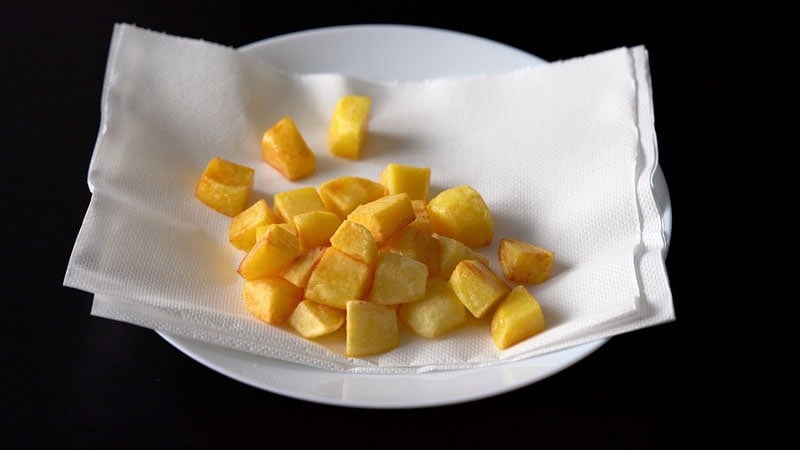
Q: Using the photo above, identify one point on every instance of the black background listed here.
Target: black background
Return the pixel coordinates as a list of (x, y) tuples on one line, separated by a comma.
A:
[(73, 380)]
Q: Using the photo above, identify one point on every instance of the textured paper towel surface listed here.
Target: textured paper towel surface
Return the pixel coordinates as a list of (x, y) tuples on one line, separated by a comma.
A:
[(563, 154)]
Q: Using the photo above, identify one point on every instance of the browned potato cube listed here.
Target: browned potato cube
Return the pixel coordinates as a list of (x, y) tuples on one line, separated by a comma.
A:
[(436, 313), (453, 252), (461, 213), (300, 269), (338, 278), (342, 195), (225, 186), (297, 201), (348, 128), (518, 317), (414, 181), (356, 241), (477, 286), (271, 299), (524, 263), (312, 319), (417, 244), (242, 230), (398, 279), (371, 329), (315, 228), (283, 147), (385, 216), (271, 254)]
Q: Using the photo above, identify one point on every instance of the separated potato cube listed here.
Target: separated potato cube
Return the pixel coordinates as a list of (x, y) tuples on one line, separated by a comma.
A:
[(398, 279), (338, 278), (225, 186), (348, 127), (312, 319), (371, 329), (436, 313), (477, 286), (418, 244), (414, 181), (283, 148), (242, 230), (271, 299), (461, 213), (270, 255), (290, 203), (315, 228), (343, 194), (385, 216), (518, 317), (524, 263)]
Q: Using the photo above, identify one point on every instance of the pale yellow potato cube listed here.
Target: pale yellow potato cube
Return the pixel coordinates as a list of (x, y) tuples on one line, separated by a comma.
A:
[(461, 213), (418, 244), (452, 252), (343, 194), (315, 228), (338, 278), (299, 270), (290, 203), (398, 279), (225, 186), (283, 148), (477, 286), (242, 230), (423, 220), (312, 320), (356, 241), (524, 263), (385, 216), (371, 329), (270, 255), (518, 317), (348, 127), (438, 312), (414, 181), (271, 299)]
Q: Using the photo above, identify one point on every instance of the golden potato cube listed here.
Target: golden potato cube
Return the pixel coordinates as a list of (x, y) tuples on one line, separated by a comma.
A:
[(290, 203), (423, 220), (524, 263), (414, 181), (417, 244), (225, 186), (371, 329), (271, 299), (398, 279), (517, 317), (283, 148), (477, 286), (436, 313), (461, 213), (312, 319), (271, 254), (299, 270), (338, 278), (452, 252), (385, 216), (343, 194), (356, 241), (348, 128), (315, 228), (242, 230)]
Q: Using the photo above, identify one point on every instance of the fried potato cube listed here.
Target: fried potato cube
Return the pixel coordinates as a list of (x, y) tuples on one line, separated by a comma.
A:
[(452, 252), (371, 329), (290, 203), (338, 278), (417, 244), (225, 186), (343, 194), (524, 263), (283, 148), (315, 228), (242, 230), (461, 213), (477, 286), (356, 241), (270, 255), (518, 317), (348, 127), (398, 279), (436, 313), (414, 181), (271, 299), (312, 319), (385, 216), (423, 220), (299, 270)]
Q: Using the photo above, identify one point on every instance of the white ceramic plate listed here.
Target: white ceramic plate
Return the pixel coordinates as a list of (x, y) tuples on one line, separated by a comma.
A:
[(384, 53)]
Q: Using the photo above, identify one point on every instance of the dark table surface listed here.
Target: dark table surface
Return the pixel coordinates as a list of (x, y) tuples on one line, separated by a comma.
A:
[(73, 380)]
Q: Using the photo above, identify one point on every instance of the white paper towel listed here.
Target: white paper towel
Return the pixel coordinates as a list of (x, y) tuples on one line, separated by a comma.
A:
[(563, 153)]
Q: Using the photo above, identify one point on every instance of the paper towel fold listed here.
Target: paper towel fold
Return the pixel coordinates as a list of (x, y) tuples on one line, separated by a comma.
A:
[(563, 153)]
